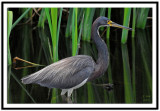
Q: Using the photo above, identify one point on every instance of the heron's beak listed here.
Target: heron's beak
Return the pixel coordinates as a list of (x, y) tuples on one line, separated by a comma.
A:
[(113, 24)]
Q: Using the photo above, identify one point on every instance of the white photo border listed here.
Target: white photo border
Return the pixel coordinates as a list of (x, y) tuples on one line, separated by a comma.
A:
[(153, 5)]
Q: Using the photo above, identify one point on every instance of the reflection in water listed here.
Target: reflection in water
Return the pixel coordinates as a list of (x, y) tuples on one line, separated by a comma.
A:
[(146, 69), (130, 69), (66, 99), (127, 75), (8, 85), (133, 70)]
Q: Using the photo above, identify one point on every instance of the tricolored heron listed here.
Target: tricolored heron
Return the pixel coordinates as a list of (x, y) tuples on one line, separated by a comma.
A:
[(73, 72)]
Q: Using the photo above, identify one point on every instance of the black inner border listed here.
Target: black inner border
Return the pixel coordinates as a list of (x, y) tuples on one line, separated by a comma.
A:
[(80, 2)]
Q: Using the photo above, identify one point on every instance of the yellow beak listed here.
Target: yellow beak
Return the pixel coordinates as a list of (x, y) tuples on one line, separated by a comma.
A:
[(113, 24)]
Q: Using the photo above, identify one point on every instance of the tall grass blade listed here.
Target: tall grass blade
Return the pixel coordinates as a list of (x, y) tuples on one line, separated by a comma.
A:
[(126, 19), (49, 20), (53, 29), (80, 34), (42, 18), (88, 18), (102, 13), (59, 24), (9, 28), (142, 14), (74, 31), (20, 18), (134, 22), (54, 17), (69, 23), (108, 28), (45, 45), (29, 14)]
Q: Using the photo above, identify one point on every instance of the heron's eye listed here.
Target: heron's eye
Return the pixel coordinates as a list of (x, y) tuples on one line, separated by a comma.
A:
[(109, 22)]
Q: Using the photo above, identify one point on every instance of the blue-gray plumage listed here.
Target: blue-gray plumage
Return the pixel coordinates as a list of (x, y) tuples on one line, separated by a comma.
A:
[(60, 75), (73, 72)]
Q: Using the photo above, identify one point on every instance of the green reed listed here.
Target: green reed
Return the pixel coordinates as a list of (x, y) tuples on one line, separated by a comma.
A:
[(21, 17), (74, 31), (9, 28), (59, 24), (102, 13), (29, 14), (54, 33), (88, 18), (52, 21), (126, 19), (45, 45), (142, 14), (69, 23), (80, 34), (134, 22), (108, 28), (42, 18)]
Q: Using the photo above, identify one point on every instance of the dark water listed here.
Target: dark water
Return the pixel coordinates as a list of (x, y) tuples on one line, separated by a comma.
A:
[(130, 68)]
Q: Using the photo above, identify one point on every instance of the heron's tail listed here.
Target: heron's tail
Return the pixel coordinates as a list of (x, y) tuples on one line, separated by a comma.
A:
[(27, 79)]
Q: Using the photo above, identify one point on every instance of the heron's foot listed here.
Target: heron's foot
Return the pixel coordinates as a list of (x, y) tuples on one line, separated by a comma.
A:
[(108, 86)]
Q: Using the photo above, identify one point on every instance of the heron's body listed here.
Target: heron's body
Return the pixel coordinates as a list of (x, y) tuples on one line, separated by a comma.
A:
[(73, 72)]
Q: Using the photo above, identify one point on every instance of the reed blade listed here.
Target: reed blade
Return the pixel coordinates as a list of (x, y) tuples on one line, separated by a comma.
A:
[(88, 18), (9, 28), (69, 23), (142, 14), (108, 28), (126, 20), (134, 22), (74, 31), (80, 34), (42, 18), (20, 18)]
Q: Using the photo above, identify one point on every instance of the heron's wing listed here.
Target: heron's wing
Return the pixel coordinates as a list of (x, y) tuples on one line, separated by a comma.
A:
[(63, 74)]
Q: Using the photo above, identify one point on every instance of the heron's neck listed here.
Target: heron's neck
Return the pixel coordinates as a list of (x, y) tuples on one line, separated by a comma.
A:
[(102, 61)]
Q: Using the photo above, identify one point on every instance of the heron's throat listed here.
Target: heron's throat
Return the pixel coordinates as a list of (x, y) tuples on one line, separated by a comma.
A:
[(103, 57)]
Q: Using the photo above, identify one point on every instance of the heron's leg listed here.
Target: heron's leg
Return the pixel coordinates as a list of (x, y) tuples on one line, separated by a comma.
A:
[(64, 91), (70, 92)]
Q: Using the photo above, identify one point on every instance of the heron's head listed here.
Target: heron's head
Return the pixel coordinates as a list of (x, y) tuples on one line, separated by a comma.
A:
[(104, 21)]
